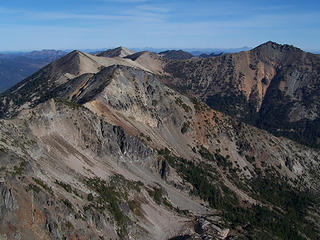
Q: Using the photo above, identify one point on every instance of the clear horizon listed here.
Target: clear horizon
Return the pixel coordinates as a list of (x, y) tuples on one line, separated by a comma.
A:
[(163, 24), (201, 50)]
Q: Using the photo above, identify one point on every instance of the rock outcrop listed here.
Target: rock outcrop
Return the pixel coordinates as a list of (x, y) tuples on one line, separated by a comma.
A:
[(273, 86), (8, 202), (110, 151)]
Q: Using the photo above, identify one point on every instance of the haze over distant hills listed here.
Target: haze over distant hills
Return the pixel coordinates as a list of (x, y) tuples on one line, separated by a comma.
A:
[(140, 145), (16, 66), (107, 145)]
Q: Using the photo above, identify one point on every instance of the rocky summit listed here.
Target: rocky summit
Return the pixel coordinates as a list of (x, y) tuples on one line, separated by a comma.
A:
[(273, 86), (124, 145)]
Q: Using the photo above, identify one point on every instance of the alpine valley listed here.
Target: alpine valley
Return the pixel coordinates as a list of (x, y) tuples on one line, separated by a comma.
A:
[(125, 145)]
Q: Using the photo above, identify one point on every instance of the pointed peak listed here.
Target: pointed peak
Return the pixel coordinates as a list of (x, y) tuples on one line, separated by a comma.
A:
[(176, 54), (116, 52), (271, 46), (75, 63), (123, 48), (75, 52), (75, 55)]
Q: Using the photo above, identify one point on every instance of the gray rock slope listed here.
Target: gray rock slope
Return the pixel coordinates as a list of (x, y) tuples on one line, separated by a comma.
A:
[(110, 152)]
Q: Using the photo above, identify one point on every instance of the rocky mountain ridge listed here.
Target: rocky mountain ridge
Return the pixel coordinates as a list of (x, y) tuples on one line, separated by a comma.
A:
[(101, 148), (273, 86), (176, 55), (116, 52)]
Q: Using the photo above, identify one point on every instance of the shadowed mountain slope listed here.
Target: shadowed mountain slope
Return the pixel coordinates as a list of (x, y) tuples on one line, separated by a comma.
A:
[(176, 55), (275, 87), (110, 151)]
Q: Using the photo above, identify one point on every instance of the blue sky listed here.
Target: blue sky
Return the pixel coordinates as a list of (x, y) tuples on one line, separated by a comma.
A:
[(82, 24)]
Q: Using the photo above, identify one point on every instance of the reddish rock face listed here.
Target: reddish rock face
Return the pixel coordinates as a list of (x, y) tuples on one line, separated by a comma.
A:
[(274, 87), (102, 148)]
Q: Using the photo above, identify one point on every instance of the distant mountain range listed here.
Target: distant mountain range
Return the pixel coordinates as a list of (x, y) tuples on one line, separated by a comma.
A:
[(16, 66), (125, 145), (176, 55), (273, 86)]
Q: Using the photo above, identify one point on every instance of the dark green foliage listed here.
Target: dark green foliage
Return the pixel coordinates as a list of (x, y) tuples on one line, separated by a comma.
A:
[(168, 204), (217, 157), (206, 154), (34, 188), (19, 169), (185, 107), (250, 159), (185, 127), (154, 103), (274, 117), (201, 178), (110, 199), (280, 194), (156, 194), (175, 67), (68, 204), (148, 138), (90, 197), (70, 104), (43, 185), (121, 184), (196, 104), (69, 225), (135, 207), (55, 225), (132, 205), (183, 237), (259, 222), (111, 195), (262, 221), (87, 207), (264, 81), (235, 105), (164, 152), (253, 67), (66, 186), (241, 75)]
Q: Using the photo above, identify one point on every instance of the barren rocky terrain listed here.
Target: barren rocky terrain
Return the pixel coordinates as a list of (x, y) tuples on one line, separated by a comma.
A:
[(273, 86), (95, 147)]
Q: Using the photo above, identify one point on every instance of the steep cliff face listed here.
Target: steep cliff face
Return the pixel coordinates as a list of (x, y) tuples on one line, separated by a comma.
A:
[(117, 154), (272, 86), (68, 180), (8, 202), (44, 84)]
